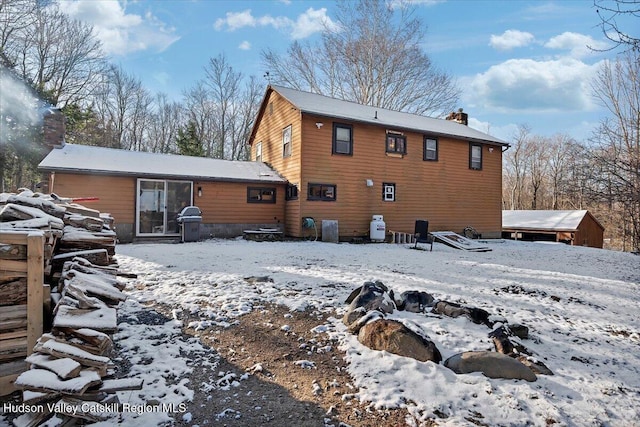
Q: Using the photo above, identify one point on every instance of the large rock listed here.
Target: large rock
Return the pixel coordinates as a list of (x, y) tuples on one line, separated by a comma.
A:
[(396, 338), (370, 296), (501, 341), (414, 301), (491, 364), (452, 309)]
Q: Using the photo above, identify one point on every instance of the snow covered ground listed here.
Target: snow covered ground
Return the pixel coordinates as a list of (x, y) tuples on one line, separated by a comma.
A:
[(580, 304)]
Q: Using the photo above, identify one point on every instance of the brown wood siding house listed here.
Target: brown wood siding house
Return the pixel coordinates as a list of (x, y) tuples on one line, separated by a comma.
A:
[(574, 227), (349, 162), (145, 191)]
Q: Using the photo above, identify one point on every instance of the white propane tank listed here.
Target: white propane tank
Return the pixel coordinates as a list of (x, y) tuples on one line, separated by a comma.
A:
[(377, 229)]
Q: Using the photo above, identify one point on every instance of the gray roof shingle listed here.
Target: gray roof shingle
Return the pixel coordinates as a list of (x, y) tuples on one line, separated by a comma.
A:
[(313, 103)]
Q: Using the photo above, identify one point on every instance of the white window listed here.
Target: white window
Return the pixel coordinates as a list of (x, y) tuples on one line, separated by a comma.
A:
[(259, 152), (286, 141), (388, 192)]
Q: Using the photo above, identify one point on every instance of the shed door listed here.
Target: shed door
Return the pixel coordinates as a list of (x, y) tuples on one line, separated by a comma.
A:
[(158, 204)]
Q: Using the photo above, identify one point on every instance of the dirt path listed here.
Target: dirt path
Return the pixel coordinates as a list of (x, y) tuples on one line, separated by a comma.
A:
[(297, 376)]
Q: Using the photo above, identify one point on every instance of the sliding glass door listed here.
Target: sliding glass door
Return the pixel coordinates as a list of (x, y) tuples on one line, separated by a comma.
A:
[(159, 202)]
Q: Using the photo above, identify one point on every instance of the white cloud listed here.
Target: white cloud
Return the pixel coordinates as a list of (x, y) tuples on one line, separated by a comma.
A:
[(504, 132), (236, 20), (402, 3), (121, 32), (245, 45), (579, 45), (534, 86), (511, 39), (312, 21), (308, 23)]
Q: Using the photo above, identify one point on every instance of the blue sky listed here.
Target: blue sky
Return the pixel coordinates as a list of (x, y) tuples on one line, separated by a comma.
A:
[(517, 62)]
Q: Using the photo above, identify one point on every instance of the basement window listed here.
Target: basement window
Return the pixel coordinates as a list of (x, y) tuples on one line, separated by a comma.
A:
[(261, 195), (326, 192)]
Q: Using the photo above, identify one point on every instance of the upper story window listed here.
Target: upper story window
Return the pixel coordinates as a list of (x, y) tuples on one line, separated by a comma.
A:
[(261, 195), (396, 143), (322, 192), (259, 152), (475, 156), (286, 141), (430, 151), (342, 139)]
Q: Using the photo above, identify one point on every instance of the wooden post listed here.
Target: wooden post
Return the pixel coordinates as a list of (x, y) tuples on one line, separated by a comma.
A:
[(35, 282)]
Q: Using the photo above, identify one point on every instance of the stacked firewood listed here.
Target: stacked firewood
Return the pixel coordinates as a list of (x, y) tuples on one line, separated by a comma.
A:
[(70, 367), (70, 373), (70, 228)]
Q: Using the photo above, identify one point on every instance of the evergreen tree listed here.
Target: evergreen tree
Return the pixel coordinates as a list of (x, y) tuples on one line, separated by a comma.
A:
[(188, 142)]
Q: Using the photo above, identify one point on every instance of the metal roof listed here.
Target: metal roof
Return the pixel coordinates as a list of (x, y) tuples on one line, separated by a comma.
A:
[(560, 220), (108, 161), (313, 103)]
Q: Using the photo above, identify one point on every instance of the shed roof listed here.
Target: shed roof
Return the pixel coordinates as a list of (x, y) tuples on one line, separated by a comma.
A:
[(312, 103), (558, 220), (108, 161)]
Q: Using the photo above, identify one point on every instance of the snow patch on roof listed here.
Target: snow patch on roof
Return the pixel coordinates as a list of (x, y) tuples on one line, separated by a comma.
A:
[(84, 158), (543, 220), (322, 105)]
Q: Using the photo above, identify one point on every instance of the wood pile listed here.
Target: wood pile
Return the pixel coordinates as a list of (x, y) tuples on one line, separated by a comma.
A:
[(70, 368), (69, 228)]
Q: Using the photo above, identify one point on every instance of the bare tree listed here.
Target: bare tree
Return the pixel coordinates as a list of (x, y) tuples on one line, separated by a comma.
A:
[(617, 87), (199, 110), (61, 57), (538, 160), (619, 21), (123, 104), (15, 17), (222, 109), (247, 110), (164, 125), (515, 169), (224, 84), (373, 56)]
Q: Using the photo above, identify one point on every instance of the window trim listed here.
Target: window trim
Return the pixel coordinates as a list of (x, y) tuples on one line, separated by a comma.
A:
[(286, 146), (471, 147), (334, 148), (395, 136), (425, 151), (259, 151), (291, 192), (386, 185), (322, 197), (262, 191)]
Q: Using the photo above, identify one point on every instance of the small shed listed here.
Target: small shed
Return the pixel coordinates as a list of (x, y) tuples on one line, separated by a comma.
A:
[(574, 227)]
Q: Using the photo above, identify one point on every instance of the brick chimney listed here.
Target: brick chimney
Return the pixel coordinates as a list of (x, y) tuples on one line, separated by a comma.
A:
[(459, 116), (53, 128)]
